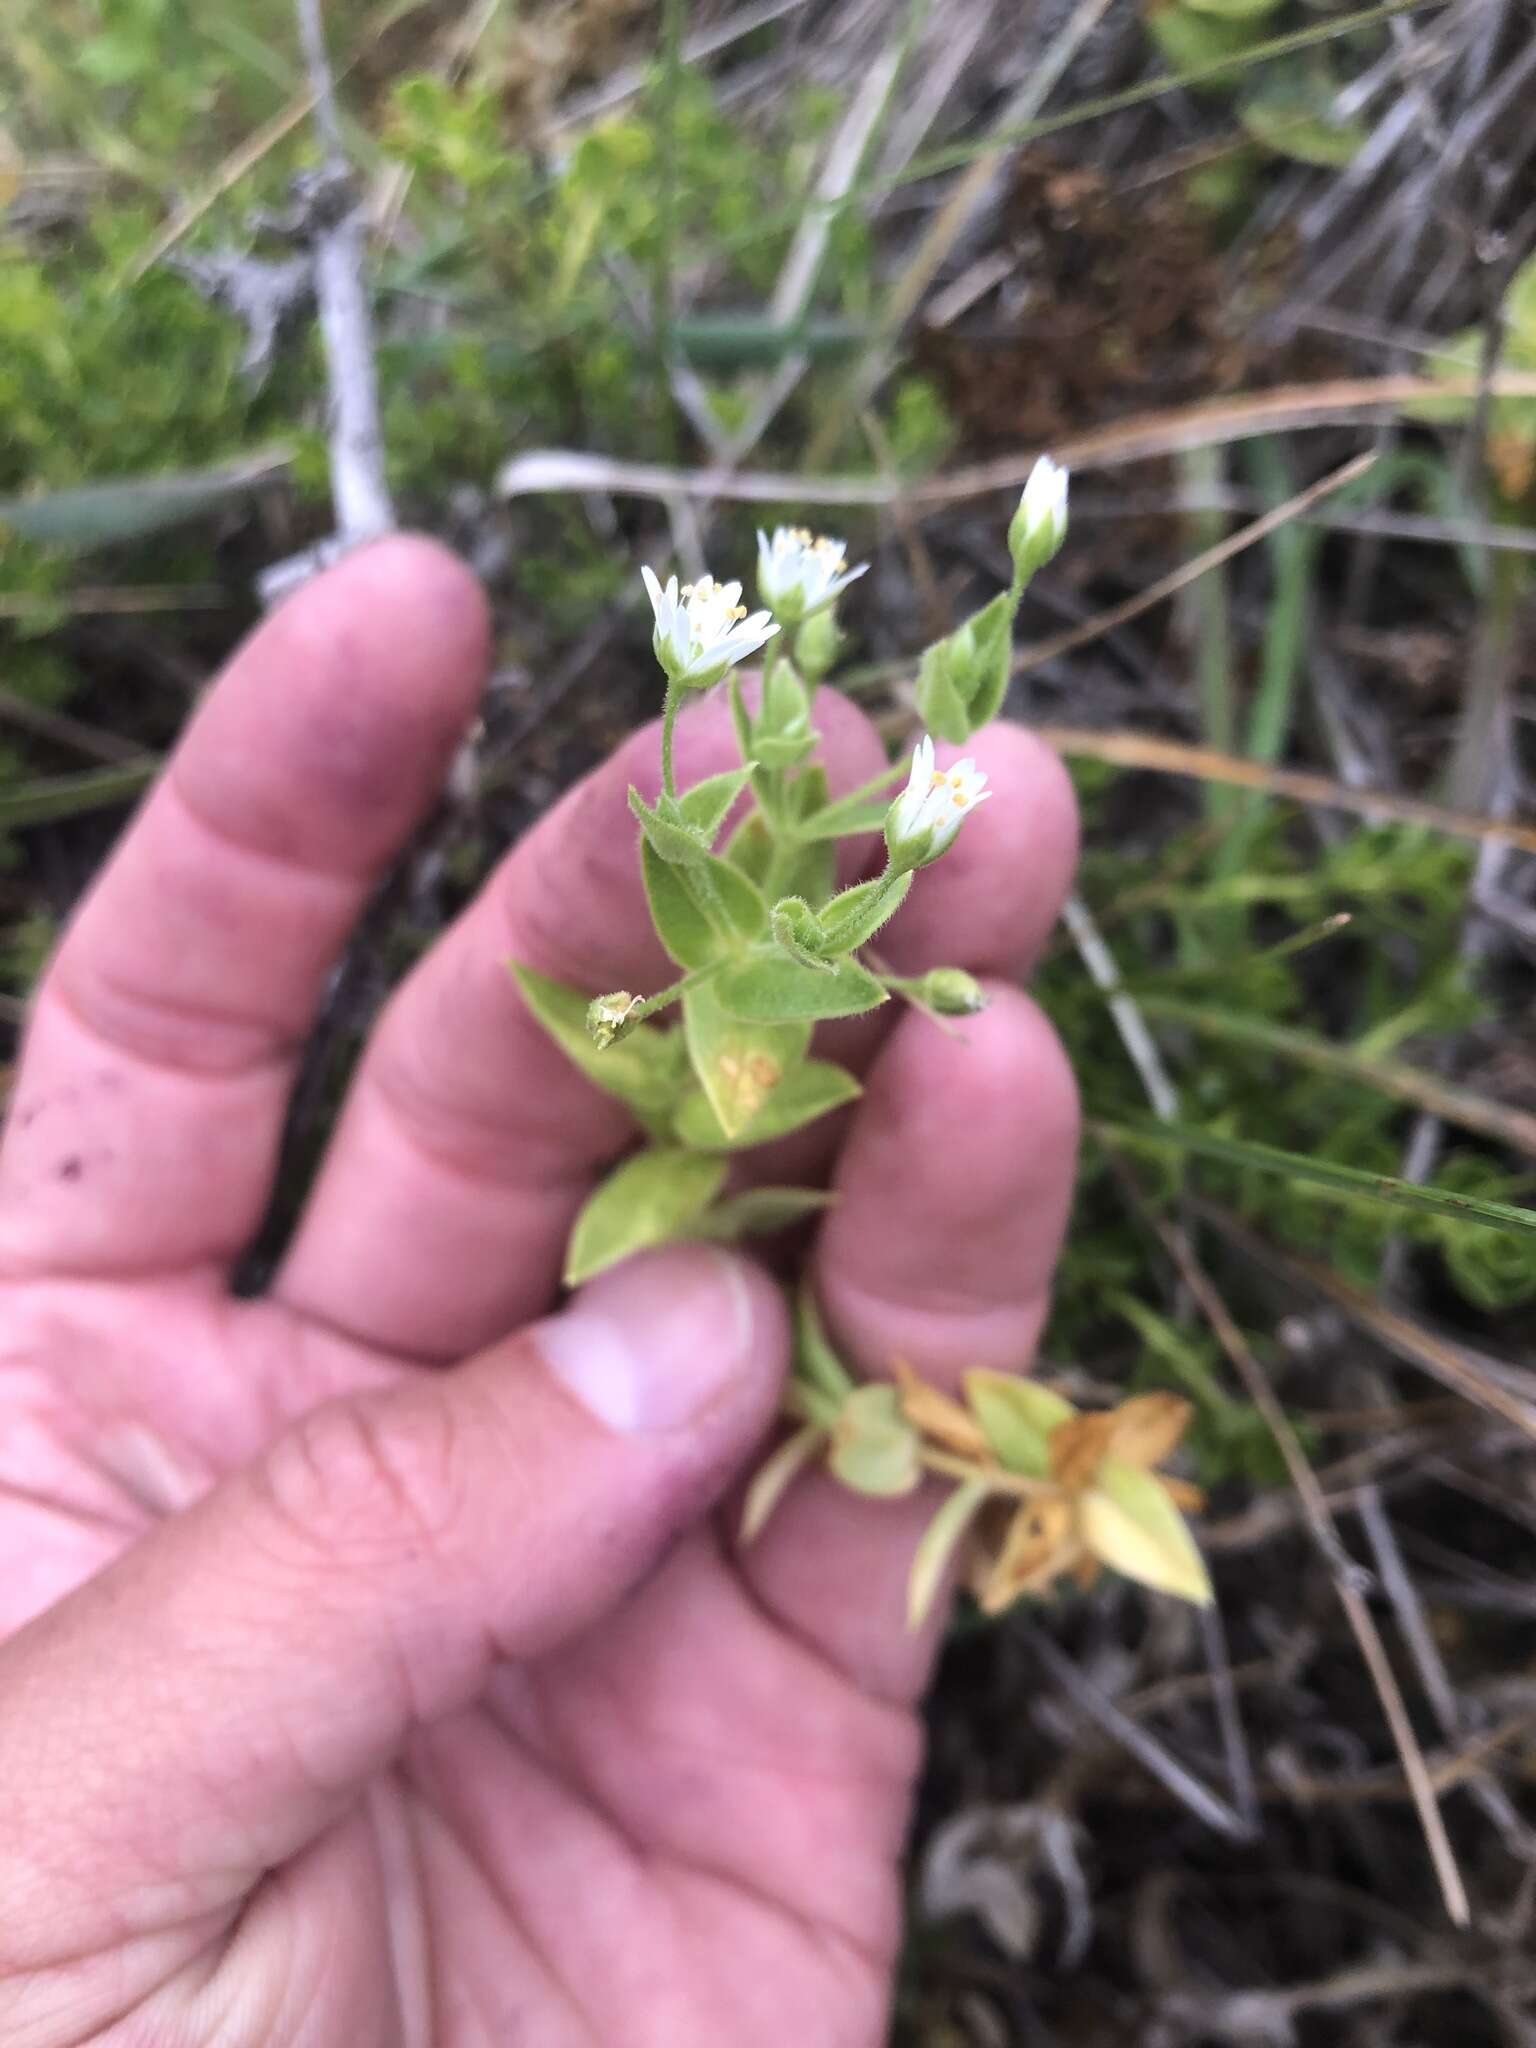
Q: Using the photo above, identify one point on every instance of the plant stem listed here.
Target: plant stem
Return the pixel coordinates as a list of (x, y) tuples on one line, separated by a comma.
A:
[(669, 711), (678, 989), (992, 1477)]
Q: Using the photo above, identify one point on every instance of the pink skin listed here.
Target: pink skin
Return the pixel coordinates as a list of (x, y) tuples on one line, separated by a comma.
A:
[(345, 1699)]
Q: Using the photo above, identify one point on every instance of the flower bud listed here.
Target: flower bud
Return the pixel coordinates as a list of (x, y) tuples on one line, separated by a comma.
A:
[(931, 809), (951, 992), (817, 645), (609, 1017), (1039, 526)]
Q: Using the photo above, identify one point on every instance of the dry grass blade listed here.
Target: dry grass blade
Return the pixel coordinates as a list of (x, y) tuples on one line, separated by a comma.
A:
[(1319, 1517), (234, 167), (1287, 409), (1455, 1105), (1205, 764), (1042, 651), (1394, 1331)]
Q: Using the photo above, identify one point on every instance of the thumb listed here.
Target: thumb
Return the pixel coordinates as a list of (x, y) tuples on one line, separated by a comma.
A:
[(208, 1703)]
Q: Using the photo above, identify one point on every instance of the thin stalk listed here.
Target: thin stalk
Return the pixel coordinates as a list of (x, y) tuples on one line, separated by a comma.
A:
[(669, 711)]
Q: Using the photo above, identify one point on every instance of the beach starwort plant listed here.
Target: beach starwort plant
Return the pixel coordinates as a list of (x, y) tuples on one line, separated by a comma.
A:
[(739, 876)]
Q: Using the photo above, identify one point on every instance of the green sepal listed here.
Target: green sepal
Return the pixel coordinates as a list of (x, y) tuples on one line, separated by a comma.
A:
[(705, 805), (649, 1200), (779, 990), (685, 927), (647, 1069), (668, 832), (739, 1064), (776, 1476), (810, 1089)]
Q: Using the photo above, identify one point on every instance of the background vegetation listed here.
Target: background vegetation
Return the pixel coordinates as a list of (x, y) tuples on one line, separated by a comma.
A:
[(881, 253)]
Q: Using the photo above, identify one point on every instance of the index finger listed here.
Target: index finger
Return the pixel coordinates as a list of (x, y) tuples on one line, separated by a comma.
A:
[(157, 1060)]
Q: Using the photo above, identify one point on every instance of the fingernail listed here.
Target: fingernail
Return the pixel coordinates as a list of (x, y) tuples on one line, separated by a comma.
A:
[(657, 1342)]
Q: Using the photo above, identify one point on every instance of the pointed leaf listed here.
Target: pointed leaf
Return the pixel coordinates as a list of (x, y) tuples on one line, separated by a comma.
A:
[(646, 1069), (758, 1212), (128, 508), (1148, 1427), (816, 1364), (649, 1200), (1038, 1545), (1017, 1416), (809, 1090), (738, 1064), (1129, 1523), (750, 847), (776, 1476), (685, 926), (936, 1414), (940, 1540), (675, 841), (875, 1450), (779, 990), (939, 702), (705, 805)]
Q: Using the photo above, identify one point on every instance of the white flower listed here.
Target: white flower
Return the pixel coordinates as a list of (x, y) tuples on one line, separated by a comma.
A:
[(1039, 526), (931, 809), (702, 629), (799, 572)]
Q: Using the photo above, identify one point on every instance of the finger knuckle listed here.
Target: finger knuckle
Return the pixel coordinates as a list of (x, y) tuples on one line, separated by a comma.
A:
[(368, 1481)]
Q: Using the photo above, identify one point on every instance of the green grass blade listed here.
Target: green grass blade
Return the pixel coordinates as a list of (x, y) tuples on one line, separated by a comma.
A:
[(1346, 1180)]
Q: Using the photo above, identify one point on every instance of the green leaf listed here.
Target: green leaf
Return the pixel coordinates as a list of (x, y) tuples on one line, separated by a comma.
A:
[(875, 1450), (861, 810), (738, 1064), (776, 1476), (96, 515), (750, 848), (1016, 1416), (681, 844), (817, 1366), (1348, 1180), (759, 1212), (649, 1200), (810, 1089), (685, 928), (780, 990), (1130, 1524), (646, 1069), (1290, 111), (940, 1540), (992, 628), (705, 805)]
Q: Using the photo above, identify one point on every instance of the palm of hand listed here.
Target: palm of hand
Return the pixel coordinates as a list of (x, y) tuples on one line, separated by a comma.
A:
[(677, 1824), (587, 1853)]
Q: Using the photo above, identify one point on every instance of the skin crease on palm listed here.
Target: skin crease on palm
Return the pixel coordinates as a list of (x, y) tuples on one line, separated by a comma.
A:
[(378, 1666)]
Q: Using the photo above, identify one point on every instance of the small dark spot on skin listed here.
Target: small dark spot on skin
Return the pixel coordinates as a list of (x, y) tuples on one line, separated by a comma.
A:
[(71, 1168)]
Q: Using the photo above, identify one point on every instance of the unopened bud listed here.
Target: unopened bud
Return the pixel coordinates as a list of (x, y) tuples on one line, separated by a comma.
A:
[(951, 992), (1039, 526)]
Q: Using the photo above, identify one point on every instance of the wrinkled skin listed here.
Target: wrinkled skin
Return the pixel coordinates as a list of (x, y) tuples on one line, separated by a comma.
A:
[(362, 1682)]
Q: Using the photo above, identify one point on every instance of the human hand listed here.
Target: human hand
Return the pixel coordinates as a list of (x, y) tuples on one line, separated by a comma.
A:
[(375, 1668)]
